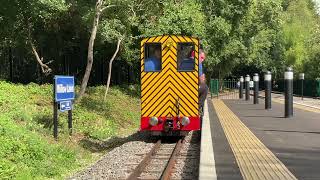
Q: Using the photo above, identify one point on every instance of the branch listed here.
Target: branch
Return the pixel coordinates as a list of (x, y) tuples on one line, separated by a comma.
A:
[(132, 10), (106, 7), (99, 4), (49, 62), (137, 37), (139, 7), (110, 67), (44, 67)]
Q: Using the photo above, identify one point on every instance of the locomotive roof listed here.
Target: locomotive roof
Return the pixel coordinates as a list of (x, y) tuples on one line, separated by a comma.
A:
[(178, 35)]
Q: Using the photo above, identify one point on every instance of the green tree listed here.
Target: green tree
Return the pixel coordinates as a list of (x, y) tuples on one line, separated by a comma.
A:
[(261, 29), (113, 27), (299, 24), (312, 65), (24, 22), (225, 45), (176, 17), (244, 33)]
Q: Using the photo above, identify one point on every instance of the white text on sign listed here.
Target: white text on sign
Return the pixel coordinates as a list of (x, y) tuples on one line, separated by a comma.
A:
[(64, 89)]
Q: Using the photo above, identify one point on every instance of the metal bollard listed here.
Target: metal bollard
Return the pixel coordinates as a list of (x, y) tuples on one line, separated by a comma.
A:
[(256, 88), (301, 77), (228, 89), (235, 88), (247, 88), (267, 91), (241, 88), (288, 77)]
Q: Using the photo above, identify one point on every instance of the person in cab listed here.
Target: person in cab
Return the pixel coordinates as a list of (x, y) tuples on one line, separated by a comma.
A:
[(203, 88), (187, 63), (153, 60), (187, 60)]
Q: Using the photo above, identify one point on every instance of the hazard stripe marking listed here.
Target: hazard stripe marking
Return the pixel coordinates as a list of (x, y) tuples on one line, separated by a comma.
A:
[(160, 91)]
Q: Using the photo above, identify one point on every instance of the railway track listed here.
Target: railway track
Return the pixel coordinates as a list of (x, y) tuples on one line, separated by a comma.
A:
[(158, 163)]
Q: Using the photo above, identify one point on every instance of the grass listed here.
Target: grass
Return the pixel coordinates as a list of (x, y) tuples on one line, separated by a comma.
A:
[(27, 148)]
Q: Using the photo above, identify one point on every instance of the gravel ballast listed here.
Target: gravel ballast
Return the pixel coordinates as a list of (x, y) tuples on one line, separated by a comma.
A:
[(122, 160), (116, 163)]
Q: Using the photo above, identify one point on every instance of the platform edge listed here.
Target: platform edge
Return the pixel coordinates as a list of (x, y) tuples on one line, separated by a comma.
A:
[(207, 167)]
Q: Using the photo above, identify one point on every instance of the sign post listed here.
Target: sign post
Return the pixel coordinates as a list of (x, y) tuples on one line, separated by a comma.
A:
[(63, 89)]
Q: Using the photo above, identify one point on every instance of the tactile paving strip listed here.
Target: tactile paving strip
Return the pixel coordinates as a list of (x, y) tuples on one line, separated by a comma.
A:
[(254, 159)]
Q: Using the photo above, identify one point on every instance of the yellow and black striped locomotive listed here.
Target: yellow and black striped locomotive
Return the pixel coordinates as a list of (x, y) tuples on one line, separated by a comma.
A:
[(170, 85)]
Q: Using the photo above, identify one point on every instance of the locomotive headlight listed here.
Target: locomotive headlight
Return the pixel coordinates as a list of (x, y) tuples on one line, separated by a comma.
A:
[(185, 121), (153, 121)]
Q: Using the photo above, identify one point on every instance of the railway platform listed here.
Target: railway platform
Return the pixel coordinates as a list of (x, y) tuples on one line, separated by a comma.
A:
[(249, 142)]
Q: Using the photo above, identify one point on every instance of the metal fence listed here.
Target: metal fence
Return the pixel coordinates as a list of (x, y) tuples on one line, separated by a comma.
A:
[(310, 87), (229, 88), (224, 89)]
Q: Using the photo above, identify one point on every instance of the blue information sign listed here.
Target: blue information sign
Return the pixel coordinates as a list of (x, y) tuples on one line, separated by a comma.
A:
[(65, 106), (64, 88)]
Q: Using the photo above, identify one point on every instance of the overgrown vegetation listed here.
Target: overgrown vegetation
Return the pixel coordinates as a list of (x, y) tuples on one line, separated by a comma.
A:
[(27, 148), (237, 35)]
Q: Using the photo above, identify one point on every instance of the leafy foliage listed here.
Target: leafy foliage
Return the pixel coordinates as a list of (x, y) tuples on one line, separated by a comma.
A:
[(264, 35), (20, 17), (26, 155), (27, 149), (184, 17), (301, 30)]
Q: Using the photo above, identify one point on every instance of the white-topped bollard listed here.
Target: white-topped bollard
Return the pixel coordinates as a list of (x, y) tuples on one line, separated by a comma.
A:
[(288, 77), (247, 79), (268, 89), (256, 88), (301, 77), (241, 87)]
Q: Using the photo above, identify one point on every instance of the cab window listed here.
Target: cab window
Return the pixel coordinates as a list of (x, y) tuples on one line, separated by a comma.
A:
[(152, 62), (186, 60)]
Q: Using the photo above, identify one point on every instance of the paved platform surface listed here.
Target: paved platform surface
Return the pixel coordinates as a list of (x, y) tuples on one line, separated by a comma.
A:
[(306, 100), (313, 103), (252, 143)]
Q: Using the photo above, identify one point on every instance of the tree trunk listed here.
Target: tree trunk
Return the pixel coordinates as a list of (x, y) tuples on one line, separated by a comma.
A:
[(110, 68), (90, 49), (44, 67), (11, 64)]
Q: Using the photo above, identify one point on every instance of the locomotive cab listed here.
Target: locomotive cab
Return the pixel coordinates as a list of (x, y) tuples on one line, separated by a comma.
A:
[(170, 85)]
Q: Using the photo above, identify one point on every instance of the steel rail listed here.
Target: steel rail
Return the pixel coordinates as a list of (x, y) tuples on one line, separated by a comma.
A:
[(172, 161), (142, 165)]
